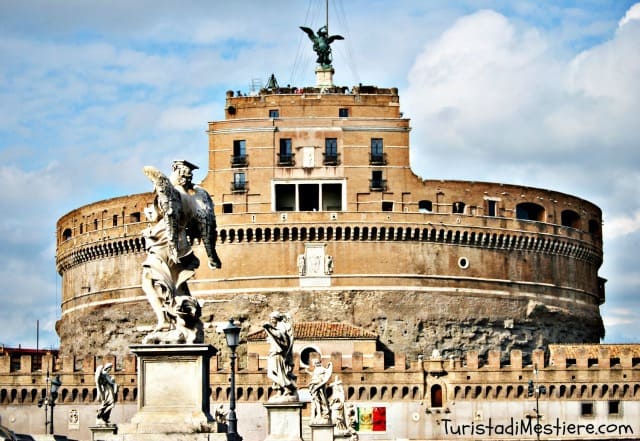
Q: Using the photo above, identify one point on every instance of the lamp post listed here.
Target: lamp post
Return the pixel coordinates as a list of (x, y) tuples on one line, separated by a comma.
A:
[(49, 401), (232, 334), (537, 389)]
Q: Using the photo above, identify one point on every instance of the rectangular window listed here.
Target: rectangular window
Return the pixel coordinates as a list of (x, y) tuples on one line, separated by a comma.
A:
[(239, 182), (586, 409), (274, 113), (614, 407), (115, 220), (331, 151), (343, 113), (227, 207), (285, 156), (134, 217), (376, 155), (14, 363), (387, 206), (492, 208), (239, 157), (377, 183)]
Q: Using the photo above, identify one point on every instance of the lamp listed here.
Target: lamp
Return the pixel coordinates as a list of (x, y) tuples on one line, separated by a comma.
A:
[(49, 401), (232, 334)]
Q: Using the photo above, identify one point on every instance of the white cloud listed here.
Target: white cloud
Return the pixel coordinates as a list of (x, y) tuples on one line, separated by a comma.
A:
[(622, 226), (632, 14)]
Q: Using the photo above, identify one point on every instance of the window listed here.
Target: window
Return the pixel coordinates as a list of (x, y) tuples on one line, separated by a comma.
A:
[(530, 211), (274, 113), (331, 151), (285, 156), (425, 206), (614, 407), (308, 197), (594, 227), (114, 220), (66, 234), (570, 218), (387, 206), (614, 361), (586, 409), (492, 207), (436, 395), (14, 362), (227, 207), (377, 183), (239, 182), (239, 158), (343, 113), (95, 224), (458, 207), (81, 228), (376, 155), (325, 196), (134, 217)]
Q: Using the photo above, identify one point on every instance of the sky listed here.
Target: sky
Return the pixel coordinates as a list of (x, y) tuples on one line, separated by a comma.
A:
[(538, 93)]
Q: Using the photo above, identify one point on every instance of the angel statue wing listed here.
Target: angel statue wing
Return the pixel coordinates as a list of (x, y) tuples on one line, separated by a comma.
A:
[(334, 38), (169, 204), (204, 225), (309, 32)]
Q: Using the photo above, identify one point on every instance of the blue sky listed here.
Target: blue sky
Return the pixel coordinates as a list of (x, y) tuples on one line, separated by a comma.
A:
[(545, 94)]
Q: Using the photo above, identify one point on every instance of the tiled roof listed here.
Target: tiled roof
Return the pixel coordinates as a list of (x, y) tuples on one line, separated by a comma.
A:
[(592, 350), (314, 330)]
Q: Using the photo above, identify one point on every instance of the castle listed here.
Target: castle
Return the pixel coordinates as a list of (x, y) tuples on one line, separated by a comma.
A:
[(436, 301)]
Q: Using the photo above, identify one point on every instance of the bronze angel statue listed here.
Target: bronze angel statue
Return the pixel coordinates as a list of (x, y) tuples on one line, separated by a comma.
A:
[(182, 212), (322, 44)]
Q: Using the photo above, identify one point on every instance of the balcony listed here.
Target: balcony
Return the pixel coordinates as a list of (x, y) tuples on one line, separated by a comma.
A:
[(377, 158), (239, 187), (287, 159), (377, 184), (239, 160), (331, 159)]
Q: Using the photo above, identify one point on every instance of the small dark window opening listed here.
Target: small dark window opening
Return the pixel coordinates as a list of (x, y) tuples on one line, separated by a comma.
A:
[(308, 196), (387, 206), (115, 220), (595, 227), (14, 362), (81, 228), (95, 224), (274, 113), (285, 155), (458, 207), (425, 207), (343, 113), (285, 197), (586, 409), (492, 208), (376, 156), (530, 211), (377, 183), (227, 207), (134, 217), (570, 218), (239, 158), (614, 407), (571, 362), (614, 362), (331, 151), (436, 395), (66, 234), (592, 362)]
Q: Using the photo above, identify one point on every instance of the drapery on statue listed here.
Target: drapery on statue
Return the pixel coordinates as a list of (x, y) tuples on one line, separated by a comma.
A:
[(336, 403), (322, 44), (182, 212), (107, 392), (320, 376), (280, 362)]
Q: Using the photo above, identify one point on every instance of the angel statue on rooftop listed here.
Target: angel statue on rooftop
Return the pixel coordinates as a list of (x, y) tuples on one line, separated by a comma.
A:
[(181, 212), (279, 331), (322, 44)]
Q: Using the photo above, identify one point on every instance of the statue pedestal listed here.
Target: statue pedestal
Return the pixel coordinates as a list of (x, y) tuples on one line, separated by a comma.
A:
[(284, 421), (173, 392), (324, 76), (322, 432), (103, 433)]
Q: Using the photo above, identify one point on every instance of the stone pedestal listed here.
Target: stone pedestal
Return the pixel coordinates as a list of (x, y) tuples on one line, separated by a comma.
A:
[(322, 432), (284, 421), (103, 433), (173, 392), (324, 76)]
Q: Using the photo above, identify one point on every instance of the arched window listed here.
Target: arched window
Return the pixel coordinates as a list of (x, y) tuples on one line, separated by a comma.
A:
[(425, 206), (66, 234), (570, 218), (530, 211), (436, 395)]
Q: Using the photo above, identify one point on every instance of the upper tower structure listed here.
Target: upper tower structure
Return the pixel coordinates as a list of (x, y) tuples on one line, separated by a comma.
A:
[(320, 214)]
